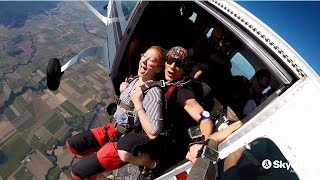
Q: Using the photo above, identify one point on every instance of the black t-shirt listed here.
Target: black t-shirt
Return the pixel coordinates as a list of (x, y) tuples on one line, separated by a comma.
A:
[(177, 120), (177, 117)]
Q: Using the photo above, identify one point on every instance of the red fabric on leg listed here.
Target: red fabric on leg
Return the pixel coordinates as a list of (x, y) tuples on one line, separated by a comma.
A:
[(112, 131), (77, 178), (80, 154), (101, 135), (108, 156)]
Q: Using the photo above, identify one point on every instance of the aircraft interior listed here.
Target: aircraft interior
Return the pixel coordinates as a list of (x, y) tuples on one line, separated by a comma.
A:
[(215, 44), (227, 57)]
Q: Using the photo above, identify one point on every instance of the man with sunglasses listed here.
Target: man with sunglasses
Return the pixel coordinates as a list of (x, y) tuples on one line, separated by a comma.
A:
[(183, 111), (259, 82)]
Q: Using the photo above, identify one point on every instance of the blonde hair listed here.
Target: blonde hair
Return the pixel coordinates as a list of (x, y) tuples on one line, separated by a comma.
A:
[(162, 53)]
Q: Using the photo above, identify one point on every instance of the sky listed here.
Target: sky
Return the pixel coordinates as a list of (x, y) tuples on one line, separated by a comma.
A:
[(297, 22)]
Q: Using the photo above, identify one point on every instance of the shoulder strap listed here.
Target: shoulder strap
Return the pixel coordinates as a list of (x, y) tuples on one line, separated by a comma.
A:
[(151, 84), (144, 88), (174, 87), (147, 85), (169, 92), (131, 78)]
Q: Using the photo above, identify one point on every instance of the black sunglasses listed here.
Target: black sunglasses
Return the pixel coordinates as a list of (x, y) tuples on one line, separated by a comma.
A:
[(177, 62)]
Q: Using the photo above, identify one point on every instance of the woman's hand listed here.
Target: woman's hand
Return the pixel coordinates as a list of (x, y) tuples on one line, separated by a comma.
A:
[(136, 97), (124, 85)]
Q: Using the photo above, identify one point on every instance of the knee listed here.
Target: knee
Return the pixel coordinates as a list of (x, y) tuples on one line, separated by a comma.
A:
[(87, 168), (76, 173), (125, 156), (71, 147), (79, 149)]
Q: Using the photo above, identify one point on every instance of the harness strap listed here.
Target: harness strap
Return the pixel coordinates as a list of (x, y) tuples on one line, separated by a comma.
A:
[(131, 78), (151, 84), (144, 88), (169, 92), (123, 130), (174, 87), (219, 121), (123, 104)]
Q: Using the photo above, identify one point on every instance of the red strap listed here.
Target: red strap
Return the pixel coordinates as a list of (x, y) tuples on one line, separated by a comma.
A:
[(169, 92)]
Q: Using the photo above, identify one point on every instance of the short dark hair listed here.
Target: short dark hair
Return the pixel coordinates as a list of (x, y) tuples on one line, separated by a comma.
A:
[(263, 73), (180, 54)]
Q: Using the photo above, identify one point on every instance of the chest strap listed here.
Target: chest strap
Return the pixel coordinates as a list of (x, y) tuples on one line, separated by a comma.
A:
[(151, 84), (144, 88), (128, 107), (174, 86)]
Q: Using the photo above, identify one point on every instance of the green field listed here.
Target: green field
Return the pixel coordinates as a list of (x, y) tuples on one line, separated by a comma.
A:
[(33, 83), (99, 79), (1, 71), (9, 114), (8, 138), (26, 70), (90, 105), (55, 92), (54, 173), (16, 85), (23, 174), (24, 134), (19, 103), (68, 173), (61, 136), (26, 124), (15, 150), (44, 146), (1, 89), (82, 90), (53, 124), (35, 141), (44, 43), (22, 82), (68, 106), (31, 109)]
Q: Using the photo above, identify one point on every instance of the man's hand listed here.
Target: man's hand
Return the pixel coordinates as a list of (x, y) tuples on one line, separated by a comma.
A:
[(193, 152), (217, 136), (223, 134)]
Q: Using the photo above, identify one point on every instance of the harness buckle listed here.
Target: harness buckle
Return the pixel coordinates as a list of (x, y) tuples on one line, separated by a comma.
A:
[(162, 83), (130, 114), (117, 100), (122, 128)]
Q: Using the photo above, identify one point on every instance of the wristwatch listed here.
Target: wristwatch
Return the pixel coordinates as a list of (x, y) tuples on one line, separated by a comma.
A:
[(204, 115), (209, 150)]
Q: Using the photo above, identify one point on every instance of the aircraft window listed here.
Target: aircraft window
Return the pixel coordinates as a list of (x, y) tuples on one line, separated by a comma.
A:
[(209, 32), (241, 66), (193, 17), (127, 8), (264, 161), (100, 6)]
